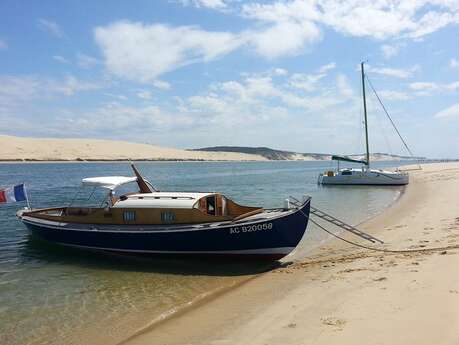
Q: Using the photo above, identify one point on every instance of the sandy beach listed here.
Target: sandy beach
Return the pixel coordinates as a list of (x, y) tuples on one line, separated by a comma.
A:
[(49, 149), (341, 294)]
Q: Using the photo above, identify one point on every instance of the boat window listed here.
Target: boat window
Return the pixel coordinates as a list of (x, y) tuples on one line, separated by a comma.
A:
[(167, 217), (211, 205), (129, 216), (346, 172)]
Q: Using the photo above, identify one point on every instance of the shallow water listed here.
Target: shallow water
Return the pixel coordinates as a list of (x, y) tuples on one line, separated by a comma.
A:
[(50, 295)]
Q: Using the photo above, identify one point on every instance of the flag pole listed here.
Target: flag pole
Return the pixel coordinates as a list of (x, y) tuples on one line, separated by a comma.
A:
[(27, 197)]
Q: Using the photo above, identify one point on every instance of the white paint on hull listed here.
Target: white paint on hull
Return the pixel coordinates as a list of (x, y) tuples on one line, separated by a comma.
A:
[(365, 177), (264, 251)]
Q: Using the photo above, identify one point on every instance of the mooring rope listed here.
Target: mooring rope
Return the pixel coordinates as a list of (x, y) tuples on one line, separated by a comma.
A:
[(400, 251)]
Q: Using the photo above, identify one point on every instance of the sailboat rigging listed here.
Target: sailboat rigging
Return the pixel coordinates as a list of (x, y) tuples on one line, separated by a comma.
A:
[(365, 175)]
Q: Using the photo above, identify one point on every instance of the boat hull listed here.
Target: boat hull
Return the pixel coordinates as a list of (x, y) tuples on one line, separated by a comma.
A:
[(261, 237), (373, 177)]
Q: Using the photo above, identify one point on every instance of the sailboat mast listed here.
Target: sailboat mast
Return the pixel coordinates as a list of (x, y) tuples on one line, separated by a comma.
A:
[(365, 114)]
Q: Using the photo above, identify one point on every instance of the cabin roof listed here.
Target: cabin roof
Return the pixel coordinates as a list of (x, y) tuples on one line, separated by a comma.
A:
[(162, 200), (109, 182)]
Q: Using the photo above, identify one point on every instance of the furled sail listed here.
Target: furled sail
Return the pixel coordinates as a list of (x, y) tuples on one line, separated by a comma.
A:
[(347, 159)]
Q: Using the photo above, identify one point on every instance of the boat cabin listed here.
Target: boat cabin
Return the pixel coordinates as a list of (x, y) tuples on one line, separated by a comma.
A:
[(149, 206)]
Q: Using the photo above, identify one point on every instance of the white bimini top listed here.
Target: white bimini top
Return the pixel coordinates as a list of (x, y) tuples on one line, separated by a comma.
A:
[(161, 200), (108, 182)]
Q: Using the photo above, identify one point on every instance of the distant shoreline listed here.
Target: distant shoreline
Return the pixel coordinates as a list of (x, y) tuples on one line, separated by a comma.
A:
[(38, 161), (31, 150)]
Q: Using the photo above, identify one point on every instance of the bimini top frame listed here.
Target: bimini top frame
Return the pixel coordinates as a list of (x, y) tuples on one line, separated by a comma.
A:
[(108, 182)]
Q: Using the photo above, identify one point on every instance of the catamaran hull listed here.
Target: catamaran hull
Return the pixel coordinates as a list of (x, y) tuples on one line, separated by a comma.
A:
[(374, 178), (261, 238)]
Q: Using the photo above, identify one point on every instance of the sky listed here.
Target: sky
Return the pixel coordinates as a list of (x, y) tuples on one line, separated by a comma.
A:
[(193, 73)]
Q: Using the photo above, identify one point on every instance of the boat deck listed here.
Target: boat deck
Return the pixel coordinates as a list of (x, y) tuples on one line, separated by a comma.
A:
[(267, 214)]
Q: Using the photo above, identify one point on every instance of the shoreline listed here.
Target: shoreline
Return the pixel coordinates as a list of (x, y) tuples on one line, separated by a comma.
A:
[(332, 254), (23, 149), (209, 297), (173, 160)]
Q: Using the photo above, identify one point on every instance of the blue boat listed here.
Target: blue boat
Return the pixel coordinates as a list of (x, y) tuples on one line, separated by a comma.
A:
[(171, 223)]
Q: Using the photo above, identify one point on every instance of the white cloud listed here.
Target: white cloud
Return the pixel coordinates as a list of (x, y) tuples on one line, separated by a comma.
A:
[(393, 72), (72, 85), (451, 86), (328, 67), (116, 118), (61, 59), (161, 84), (24, 101), (450, 112), (212, 4), (433, 21), (245, 108), (255, 93), (393, 95), (344, 88), (145, 94), (284, 38), (16, 90), (308, 82), (252, 89), (280, 72), (86, 61), (377, 19), (427, 88), (3, 45), (454, 63), (423, 86), (312, 103), (282, 11), (19, 89), (143, 52), (390, 51), (116, 96), (50, 27)]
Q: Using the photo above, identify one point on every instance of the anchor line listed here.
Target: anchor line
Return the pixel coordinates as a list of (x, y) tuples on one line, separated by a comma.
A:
[(392, 251)]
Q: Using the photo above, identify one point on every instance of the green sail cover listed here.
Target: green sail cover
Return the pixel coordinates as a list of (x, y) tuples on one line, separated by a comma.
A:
[(347, 159)]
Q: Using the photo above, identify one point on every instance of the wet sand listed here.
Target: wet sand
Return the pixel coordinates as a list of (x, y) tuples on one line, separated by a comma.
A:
[(341, 294)]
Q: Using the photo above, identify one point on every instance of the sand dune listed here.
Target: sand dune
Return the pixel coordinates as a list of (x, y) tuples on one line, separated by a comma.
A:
[(46, 149)]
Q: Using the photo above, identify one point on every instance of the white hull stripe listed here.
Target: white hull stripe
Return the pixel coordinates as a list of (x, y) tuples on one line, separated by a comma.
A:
[(263, 251)]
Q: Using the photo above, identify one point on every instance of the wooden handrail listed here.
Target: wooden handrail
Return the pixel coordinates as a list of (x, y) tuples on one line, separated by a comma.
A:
[(248, 214)]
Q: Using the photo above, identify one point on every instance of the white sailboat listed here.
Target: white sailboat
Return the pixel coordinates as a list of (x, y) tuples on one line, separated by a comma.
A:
[(364, 175)]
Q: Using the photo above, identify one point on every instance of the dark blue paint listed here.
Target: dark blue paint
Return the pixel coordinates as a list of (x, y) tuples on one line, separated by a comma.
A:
[(286, 231)]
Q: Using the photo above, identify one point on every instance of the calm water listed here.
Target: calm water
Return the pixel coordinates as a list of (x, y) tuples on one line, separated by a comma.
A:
[(50, 295)]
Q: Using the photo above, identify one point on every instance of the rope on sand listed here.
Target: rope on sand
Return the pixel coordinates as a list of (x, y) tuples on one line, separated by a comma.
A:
[(355, 231), (401, 251)]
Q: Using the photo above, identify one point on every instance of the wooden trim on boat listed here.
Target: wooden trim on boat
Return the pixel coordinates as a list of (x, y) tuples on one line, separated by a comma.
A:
[(248, 214)]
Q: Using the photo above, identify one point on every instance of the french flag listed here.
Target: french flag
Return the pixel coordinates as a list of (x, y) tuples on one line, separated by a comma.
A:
[(13, 194)]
